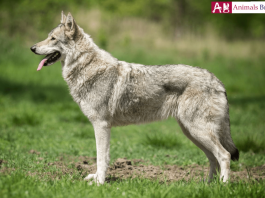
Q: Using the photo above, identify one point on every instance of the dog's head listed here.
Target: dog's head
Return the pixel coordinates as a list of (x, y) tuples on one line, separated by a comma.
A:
[(59, 42)]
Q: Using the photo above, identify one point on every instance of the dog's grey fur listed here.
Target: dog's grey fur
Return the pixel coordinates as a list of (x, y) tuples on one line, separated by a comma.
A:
[(114, 93)]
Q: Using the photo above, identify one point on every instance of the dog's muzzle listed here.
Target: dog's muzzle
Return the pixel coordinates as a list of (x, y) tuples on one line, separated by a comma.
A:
[(33, 48)]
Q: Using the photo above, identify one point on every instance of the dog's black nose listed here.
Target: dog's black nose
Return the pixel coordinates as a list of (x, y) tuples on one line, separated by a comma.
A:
[(33, 48)]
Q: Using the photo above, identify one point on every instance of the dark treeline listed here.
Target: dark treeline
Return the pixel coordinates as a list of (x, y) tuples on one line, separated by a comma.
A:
[(175, 15)]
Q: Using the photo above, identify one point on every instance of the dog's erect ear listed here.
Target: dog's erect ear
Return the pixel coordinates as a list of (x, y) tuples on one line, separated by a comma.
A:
[(63, 19), (69, 23), (72, 30)]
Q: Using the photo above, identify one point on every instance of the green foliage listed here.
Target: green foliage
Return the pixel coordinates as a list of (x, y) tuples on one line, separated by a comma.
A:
[(189, 15), (23, 16)]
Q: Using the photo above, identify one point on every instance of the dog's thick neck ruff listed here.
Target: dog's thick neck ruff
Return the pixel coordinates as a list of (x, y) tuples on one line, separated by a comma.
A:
[(85, 55)]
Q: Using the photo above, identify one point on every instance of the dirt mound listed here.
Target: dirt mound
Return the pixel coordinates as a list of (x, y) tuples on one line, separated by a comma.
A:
[(122, 168)]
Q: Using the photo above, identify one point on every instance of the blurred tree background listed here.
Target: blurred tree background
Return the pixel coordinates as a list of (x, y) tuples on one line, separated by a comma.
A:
[(176, 16)]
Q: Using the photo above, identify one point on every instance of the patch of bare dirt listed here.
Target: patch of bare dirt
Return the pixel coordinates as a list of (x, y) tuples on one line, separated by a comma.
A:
[(122, 168), (67, 165), (256, 173)]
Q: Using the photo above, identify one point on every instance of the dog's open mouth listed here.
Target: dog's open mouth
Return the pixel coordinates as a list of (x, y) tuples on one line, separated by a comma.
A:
[(49, 59)]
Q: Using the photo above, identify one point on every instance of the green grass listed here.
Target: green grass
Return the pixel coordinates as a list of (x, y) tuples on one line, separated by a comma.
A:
[(32, 187), (162, 140), (37, 112)]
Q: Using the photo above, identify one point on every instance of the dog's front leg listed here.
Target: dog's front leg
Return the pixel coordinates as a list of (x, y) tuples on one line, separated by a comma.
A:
[(102, 134)]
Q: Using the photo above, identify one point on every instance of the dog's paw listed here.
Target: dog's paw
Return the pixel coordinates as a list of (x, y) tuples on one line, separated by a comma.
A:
[(93, 178)]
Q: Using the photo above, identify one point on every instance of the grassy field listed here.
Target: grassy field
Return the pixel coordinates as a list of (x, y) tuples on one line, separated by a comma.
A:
[(40, 123)]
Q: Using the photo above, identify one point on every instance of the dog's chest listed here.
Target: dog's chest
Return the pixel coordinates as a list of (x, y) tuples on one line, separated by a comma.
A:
[(91, 86)]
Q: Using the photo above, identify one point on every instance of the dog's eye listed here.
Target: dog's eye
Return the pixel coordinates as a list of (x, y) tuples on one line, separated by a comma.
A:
[(53, 38)]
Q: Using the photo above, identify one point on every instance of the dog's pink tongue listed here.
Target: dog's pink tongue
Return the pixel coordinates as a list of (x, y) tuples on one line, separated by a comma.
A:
[(41, 64)]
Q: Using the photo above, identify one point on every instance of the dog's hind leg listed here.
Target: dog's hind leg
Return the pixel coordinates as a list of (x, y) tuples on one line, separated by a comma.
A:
[(213, 149), (214, 166), (201, 114), (102, 135)]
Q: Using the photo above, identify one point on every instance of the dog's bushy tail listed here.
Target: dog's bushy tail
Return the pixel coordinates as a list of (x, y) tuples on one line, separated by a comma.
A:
[(229, 145), (227, 142), (235, 155)]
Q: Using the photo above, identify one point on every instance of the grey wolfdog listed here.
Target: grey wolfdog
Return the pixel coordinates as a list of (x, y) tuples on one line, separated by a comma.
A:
[(111, 92)]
